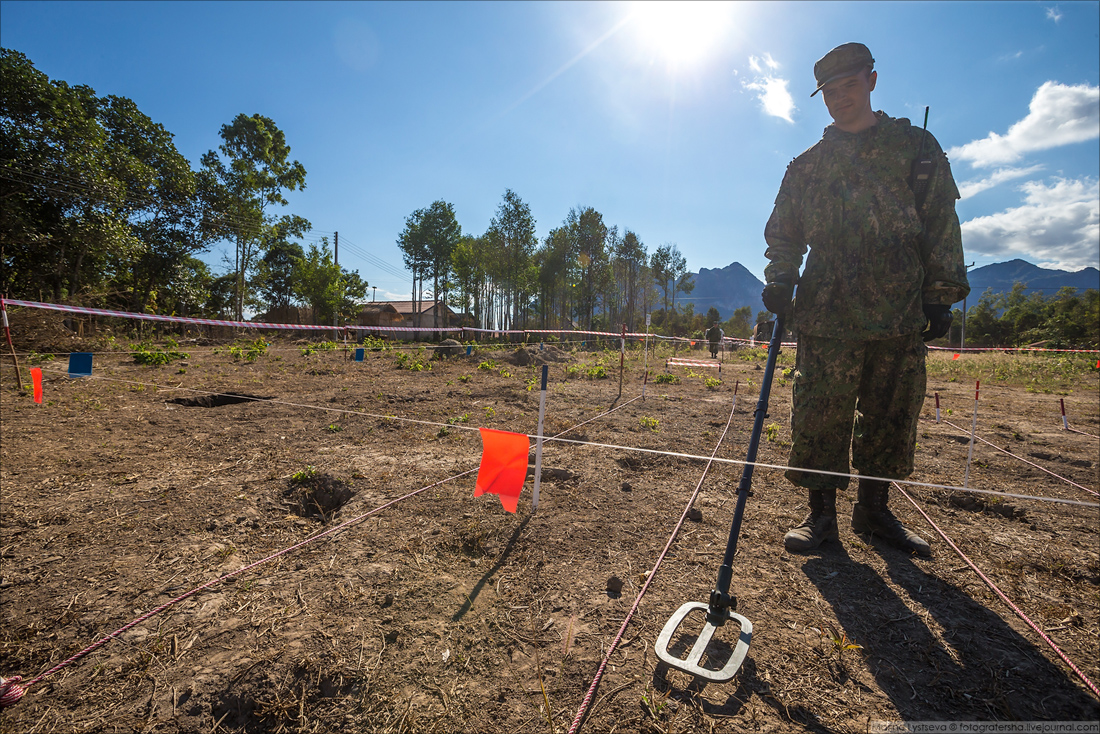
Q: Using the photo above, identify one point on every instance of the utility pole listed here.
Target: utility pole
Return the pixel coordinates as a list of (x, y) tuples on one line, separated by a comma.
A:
[(374, 295), (336, 261)]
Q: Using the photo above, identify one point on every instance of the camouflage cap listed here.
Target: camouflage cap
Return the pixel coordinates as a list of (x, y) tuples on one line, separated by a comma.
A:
[(842, 61)]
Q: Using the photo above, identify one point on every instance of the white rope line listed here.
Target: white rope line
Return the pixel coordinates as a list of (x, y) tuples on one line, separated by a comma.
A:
[(618, 447)]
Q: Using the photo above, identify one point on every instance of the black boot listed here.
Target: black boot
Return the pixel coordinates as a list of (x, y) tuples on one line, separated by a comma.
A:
[(819, 525), (871, 515)]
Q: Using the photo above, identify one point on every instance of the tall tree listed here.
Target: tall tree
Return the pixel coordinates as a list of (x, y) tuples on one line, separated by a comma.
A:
[(329, 290), (427, 242), (514, 228), (590, 237), (631, 263), (257, 174), (96, 199), (661, 265)]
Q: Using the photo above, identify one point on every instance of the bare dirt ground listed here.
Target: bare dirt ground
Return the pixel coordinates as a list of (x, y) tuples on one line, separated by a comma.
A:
[(444, 613)]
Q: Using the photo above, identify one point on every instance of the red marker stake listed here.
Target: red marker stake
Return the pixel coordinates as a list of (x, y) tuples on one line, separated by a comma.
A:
[(36, 380), (937, 407), (973, 431), (1065, 423)]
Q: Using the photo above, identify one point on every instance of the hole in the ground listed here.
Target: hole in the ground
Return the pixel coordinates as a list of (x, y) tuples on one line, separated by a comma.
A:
[(213, 401), (319, 496)]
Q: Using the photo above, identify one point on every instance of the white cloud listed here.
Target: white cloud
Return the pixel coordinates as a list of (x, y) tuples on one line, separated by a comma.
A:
[(1054, 14), (767, 60), (970, 188), (1058, 115), (772, 91), (1057, 225), (774, 96)]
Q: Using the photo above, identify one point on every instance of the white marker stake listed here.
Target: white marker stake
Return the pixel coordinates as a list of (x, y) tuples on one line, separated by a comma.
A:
[(1065, 423), (538, 440), (645, 362), (973, 430), (937, 407)]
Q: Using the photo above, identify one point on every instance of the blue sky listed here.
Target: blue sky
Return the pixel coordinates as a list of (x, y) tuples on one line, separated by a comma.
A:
[(674, 120)]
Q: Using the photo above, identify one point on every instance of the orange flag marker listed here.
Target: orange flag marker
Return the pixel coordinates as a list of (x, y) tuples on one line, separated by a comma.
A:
[(36, 380), (955, 357), (503, 466)]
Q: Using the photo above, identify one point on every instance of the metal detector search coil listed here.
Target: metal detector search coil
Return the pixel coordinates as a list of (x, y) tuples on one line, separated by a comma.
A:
[(692, 665)]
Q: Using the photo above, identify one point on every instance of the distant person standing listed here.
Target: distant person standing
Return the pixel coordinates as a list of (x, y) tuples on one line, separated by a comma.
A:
[(714, 336), (874, 204)]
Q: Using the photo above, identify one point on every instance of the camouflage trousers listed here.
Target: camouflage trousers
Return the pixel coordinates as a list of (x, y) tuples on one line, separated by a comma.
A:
[(867, 394)]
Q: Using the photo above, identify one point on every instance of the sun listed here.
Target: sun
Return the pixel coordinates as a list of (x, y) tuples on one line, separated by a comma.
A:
[(683, 32)]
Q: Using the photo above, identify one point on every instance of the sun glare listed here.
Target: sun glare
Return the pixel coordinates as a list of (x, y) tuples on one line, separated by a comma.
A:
[(683, 32)]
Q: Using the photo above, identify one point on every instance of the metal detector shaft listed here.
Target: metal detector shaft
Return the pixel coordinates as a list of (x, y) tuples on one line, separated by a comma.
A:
[(720, 599)]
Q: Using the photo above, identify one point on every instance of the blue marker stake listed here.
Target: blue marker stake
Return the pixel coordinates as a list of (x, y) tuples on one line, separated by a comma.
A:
[(359, 354), (538, 440), (80, 364)]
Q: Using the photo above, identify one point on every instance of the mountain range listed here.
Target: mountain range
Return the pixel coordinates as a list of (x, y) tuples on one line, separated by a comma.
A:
[(733, 286)]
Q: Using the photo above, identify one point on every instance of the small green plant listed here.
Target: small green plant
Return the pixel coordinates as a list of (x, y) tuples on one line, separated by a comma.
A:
[(771, 432), (374, 343), (488, 365), (572, 370), (648, 422), (464, 378), (654, 703), (489, 412), (788, 372), (36, 358), (334, 428), (532, 383), (325, 346), (504, 372), (443, 431), (840, 640), (666, 379), (304, 475), (597, 372), (464, 418), (712, 382), (145, 353), (415, 364), (250, 351)]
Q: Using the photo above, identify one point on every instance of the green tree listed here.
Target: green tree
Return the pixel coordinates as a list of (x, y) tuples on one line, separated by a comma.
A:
[(96, 199), (276, 273), (317, 282), (427, 244), (661, 266), (738, 324), (591, 273), (257, 174), (513, 228)]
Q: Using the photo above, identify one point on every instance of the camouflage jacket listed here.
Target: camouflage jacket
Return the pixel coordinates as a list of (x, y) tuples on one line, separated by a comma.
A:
[(874, 260)]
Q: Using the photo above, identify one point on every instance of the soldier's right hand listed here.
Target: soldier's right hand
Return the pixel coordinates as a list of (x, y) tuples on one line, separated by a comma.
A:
[(777, 297)]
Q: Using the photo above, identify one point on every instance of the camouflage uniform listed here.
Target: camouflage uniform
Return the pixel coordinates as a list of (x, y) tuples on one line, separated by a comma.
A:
[(873, 261)]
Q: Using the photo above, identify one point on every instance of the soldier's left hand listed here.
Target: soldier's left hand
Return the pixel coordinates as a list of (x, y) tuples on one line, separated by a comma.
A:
[(939, 321)]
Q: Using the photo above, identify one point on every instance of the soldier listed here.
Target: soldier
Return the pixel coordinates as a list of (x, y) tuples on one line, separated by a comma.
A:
[(885, 264), (714, 336)]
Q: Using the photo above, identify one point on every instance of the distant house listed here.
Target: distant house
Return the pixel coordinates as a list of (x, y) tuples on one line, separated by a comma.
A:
[(287, 315), (426, 318), (379, 314)]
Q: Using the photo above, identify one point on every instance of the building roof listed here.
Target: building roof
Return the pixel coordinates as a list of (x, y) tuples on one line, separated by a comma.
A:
[(409, 307)]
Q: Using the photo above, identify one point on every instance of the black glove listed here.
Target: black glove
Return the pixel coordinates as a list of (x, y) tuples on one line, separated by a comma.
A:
[(939, 321), (777, 296)]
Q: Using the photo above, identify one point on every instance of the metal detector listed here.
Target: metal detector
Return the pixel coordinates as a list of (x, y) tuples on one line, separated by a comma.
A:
[(722, 603)]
